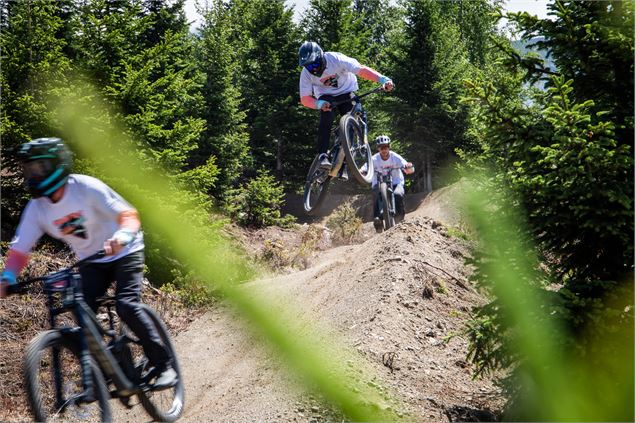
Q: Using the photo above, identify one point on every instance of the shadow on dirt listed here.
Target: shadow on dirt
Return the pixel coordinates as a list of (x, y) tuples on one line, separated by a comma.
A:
[(460, 413)]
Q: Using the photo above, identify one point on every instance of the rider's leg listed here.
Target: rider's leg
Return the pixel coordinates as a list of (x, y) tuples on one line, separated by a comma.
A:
[(327, 118), (324, 130), (400, 205), (129, 274), (96, 278)]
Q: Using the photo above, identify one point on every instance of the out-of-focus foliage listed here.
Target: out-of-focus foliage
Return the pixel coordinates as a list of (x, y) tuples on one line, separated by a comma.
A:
[(566, 156)]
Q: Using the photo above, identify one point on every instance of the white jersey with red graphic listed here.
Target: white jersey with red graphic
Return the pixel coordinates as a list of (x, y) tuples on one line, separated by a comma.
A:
[(392, 164), (84, 218), (338, 77)]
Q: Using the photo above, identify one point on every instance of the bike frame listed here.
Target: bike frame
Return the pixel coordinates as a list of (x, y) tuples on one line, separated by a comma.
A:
[(358, 112), (387, 179), (89, 332)]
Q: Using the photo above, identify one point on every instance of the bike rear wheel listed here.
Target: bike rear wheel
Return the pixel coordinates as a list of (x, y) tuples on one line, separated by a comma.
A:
[(164, 405), (317, 183), (53, 351), (358, 152), (389, 219)]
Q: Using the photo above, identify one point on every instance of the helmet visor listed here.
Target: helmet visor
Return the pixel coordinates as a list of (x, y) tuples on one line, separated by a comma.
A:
[(37, 169), (314, 67)]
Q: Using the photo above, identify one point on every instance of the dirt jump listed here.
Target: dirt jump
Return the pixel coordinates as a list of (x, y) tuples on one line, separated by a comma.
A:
[(399, 299)]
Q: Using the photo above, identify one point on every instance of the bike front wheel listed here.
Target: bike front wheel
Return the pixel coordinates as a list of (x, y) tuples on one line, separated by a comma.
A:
[(164, 405), (315, 188), (53, 380), (389, 219), (358, 152)]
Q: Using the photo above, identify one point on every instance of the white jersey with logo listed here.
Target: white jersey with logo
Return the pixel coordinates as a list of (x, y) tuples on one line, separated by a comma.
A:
[(338, 77), (384, 166), (84, 218)]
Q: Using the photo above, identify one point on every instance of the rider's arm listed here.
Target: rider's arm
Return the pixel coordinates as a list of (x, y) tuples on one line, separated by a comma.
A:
[(407, 166), (309, 101), (306, 91), (112, 206), (26, 236), (16, 261), (372, 75), (369, 74)]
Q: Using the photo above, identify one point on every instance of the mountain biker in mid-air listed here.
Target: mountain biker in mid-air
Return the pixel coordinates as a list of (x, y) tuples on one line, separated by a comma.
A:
[(89, 216), (328, 77), (385, 161)]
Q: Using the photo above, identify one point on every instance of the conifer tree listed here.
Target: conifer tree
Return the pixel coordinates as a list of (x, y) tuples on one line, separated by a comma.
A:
[(225, 136), (428, 61), (32, 62)]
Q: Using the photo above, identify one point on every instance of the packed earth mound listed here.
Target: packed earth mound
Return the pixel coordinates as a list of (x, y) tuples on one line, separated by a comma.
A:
[(399, 300)]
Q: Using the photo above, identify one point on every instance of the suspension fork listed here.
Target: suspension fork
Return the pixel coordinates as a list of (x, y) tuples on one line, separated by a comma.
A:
[(56, 368), (85, 360), (393, 204), (57, 375), (364, 123)]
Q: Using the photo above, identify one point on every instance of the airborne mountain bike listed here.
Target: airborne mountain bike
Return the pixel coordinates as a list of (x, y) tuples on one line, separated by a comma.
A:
[(350, 148), (74, 370)]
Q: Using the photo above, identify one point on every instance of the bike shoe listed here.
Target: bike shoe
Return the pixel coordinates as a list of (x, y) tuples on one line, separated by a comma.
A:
[(378, 224), (165, 380), (343, 176), (324, 162)]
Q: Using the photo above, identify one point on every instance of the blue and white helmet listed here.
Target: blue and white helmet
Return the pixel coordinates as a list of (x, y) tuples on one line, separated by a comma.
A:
[(312, 58)]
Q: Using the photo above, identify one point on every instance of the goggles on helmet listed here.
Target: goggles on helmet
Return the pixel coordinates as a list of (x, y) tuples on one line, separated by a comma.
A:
[(37, 169), (314, 67)]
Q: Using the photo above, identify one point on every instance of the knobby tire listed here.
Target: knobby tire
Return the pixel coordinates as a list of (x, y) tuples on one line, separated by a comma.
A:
[(40, 383), (356, 149)]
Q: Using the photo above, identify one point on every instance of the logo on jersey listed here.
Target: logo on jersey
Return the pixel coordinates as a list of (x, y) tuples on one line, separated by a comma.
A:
[(330, 81), (72, 224)]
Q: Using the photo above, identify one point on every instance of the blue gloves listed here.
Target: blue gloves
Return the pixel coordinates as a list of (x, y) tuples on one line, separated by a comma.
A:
[(123, 236), (9, 277)]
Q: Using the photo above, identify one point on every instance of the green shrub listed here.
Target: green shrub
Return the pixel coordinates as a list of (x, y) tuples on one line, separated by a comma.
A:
[(257, 204), (344, 223)]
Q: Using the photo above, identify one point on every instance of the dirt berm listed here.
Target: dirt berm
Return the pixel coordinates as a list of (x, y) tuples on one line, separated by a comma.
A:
[(399, 300)]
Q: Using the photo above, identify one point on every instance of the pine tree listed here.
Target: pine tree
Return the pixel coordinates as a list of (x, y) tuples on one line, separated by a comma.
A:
[(32, 63), (225, 136), (564, 155), (592, 44), (428, 61), (268, 41)]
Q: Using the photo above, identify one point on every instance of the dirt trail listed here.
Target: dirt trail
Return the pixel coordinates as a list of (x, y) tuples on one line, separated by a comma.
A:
[(402, 294)]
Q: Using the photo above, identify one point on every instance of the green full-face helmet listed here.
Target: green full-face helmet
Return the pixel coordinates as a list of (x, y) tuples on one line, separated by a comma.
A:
[(46, 163)]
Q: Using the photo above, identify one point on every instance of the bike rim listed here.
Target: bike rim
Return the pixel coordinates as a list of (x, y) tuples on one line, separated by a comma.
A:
[(360, 151), (314, 189)]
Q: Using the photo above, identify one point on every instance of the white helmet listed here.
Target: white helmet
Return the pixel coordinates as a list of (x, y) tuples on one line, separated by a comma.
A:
[(382, 140)]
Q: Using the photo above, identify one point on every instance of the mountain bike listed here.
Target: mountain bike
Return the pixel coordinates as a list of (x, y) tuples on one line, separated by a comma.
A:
[(386, 197), (75, 370), (350, 149)]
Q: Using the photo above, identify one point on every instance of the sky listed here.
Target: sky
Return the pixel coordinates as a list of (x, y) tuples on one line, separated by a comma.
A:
[(535, 7)]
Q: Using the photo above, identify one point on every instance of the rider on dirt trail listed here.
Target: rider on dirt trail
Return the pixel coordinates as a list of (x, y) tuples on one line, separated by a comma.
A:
[(89, 216), (388, 161)]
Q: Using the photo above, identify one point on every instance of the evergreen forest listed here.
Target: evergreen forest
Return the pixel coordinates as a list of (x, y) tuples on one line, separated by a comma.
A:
[(217, 107)]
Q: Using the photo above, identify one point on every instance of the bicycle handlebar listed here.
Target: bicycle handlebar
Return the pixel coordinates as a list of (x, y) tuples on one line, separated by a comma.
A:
[(21, 286), (357, 97)]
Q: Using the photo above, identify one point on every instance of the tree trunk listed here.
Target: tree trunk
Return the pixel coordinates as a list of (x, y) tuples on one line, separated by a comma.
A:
[(279, 167)]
